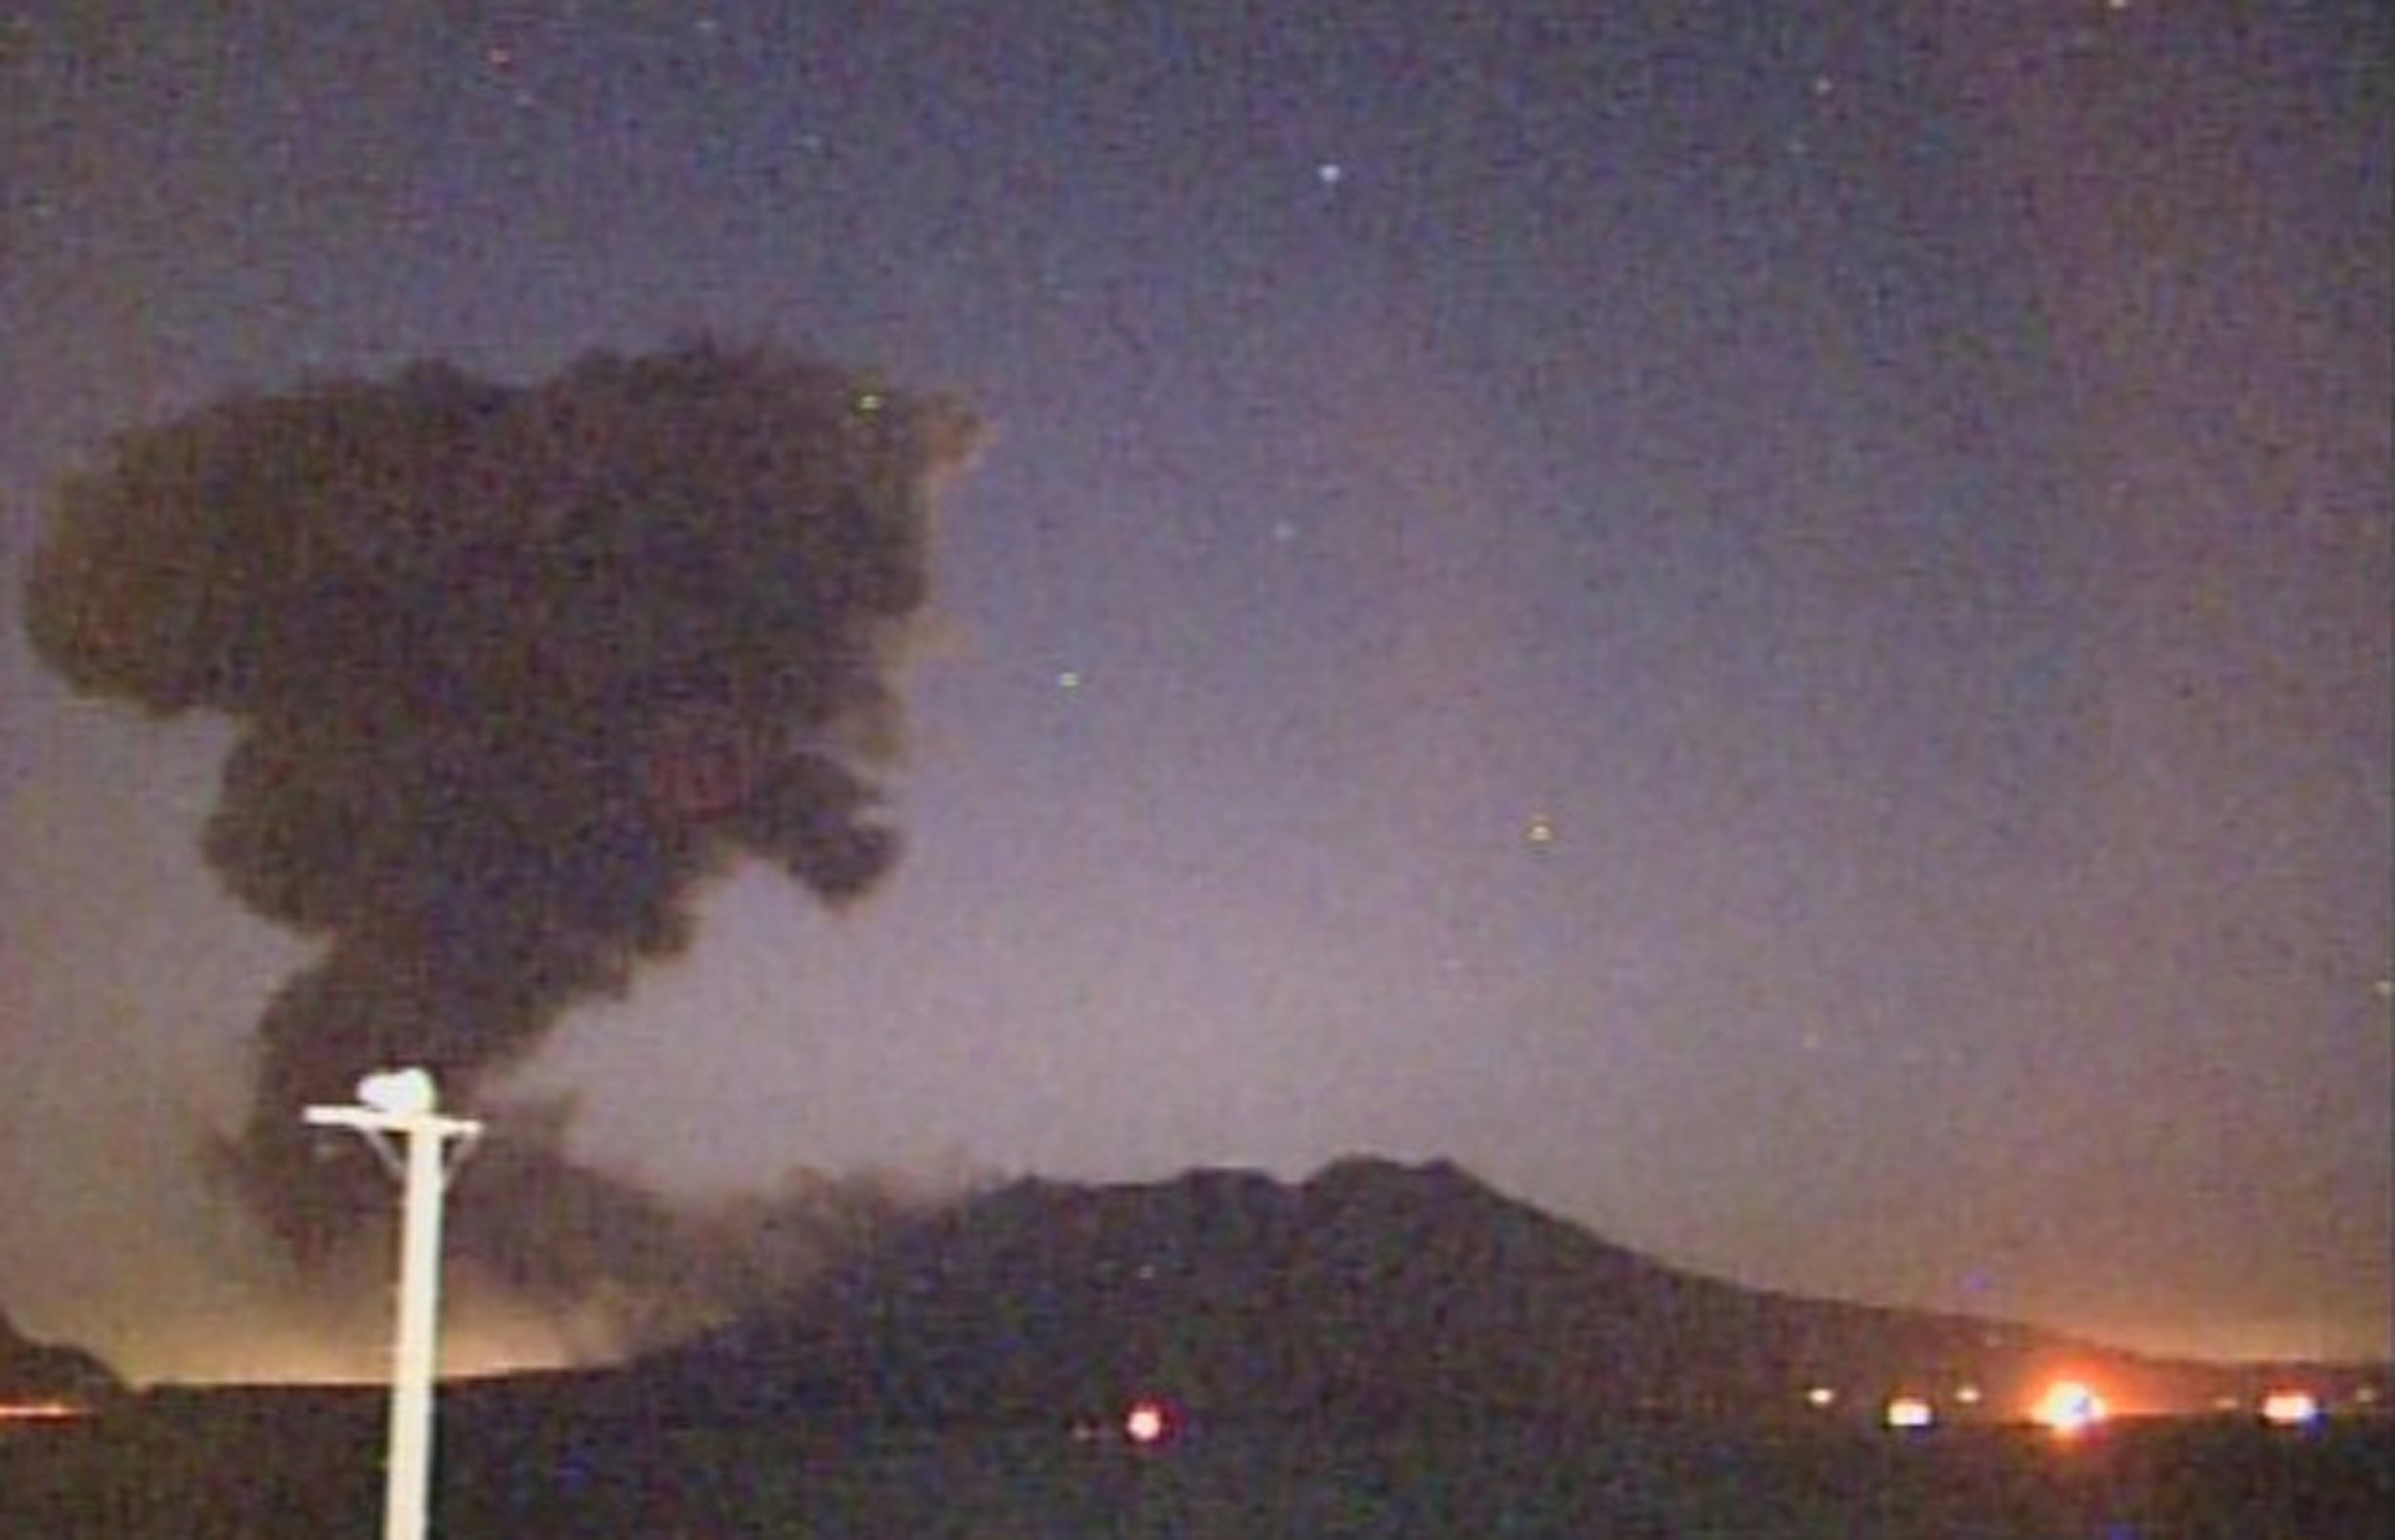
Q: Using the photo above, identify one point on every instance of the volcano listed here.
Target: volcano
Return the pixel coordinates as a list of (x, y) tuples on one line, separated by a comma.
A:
[(1373, 1290)]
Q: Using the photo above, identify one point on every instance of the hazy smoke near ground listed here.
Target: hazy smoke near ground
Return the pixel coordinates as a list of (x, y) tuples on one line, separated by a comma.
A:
[(635, 1271), (514, 671), (555, 1261)]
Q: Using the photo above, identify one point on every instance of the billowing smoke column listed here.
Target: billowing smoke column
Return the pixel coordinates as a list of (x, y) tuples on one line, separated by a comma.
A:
[(514, 671)]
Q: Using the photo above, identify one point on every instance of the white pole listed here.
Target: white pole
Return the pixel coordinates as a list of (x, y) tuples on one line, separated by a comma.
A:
[(403, 1103), (412, 1364)]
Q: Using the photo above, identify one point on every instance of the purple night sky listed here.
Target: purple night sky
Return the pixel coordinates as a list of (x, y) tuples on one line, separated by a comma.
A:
[(1773, 633)]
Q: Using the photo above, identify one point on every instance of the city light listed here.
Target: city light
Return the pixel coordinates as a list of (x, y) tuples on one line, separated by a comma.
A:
[(1147, 1423), (2291, 1409), (2069, 1407), (1909, 1413)]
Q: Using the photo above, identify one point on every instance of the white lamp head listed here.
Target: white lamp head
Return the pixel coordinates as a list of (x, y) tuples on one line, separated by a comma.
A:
[(400, 1093)]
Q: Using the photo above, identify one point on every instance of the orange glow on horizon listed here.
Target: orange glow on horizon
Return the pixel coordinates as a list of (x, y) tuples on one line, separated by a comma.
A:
[(484, 1334), (42, 1412)]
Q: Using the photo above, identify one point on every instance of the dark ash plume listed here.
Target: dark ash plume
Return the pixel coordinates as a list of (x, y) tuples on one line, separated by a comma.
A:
[(514, 671)]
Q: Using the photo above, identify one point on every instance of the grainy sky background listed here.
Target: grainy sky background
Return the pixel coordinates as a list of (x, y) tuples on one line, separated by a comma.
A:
[(1771, 629)]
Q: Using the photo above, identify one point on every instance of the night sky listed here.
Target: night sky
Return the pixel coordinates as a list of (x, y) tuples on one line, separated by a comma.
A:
[(1773, 633)]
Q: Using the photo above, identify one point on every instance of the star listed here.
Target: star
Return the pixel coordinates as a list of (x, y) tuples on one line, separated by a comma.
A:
[(1330, 173)]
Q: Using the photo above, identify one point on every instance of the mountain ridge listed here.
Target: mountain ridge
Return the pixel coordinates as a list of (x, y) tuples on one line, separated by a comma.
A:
[(1370, 1289), (44, 1374)]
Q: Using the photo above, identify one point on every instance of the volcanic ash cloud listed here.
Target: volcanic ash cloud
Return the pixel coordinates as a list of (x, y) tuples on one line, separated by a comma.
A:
[(514, 671)]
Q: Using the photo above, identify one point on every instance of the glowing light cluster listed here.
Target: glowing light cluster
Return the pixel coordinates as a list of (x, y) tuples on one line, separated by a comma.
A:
[(1147, 1423), (2291, 1409), (40, 1412), (2069, 1407), (1909, 1413)]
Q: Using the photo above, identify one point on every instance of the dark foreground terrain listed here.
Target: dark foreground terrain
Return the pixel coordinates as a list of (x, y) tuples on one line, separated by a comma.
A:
[(258, 1466)]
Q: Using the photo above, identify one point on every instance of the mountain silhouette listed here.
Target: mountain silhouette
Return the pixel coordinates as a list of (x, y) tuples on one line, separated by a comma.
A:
[(34, 1374), (1372, 1290)]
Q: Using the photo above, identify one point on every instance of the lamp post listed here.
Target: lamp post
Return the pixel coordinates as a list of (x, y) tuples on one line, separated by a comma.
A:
[(403, 1103)]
